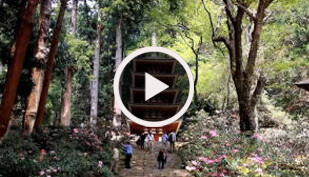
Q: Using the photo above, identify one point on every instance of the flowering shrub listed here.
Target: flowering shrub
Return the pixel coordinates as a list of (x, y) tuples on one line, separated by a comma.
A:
[(217, 148), (55, 152)]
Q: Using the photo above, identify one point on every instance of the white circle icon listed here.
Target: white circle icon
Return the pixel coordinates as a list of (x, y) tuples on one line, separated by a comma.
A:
[(121, 68)]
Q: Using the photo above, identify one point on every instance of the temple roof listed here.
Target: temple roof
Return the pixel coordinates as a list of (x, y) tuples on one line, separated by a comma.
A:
[(303, 84), (136, 128), (153, 112), (154, 65)]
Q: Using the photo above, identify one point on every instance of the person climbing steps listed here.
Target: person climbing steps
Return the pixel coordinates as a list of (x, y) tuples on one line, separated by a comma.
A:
[(128, 150), (145, 164), (162, 157)]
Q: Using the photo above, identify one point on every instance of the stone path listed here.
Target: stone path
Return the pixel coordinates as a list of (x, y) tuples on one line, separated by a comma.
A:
[(144, 164)]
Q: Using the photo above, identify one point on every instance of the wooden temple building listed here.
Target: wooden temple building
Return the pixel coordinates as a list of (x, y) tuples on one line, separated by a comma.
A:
[(160, 107)]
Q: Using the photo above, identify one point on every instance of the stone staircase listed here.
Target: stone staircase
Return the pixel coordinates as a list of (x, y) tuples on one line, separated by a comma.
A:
[(144, 164)]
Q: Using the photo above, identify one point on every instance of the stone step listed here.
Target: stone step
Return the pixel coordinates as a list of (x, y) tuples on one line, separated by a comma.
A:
[(144, 164)]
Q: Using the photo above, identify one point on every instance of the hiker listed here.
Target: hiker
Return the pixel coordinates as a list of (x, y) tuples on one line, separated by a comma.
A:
[(115, 162), (149, 139), (172, 140), (128, 150), (162, 156), (142, 140), (164, 139)]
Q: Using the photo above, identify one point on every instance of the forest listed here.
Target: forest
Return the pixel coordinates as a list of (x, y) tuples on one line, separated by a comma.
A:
[(250, 62)]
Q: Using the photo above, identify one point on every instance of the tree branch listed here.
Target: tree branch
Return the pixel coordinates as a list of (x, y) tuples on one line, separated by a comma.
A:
[(267, 3), (223, 40), (210, 19), (246, 10), (213, 33), (228, 10), (192, 43), (256, 34), (269, 14)]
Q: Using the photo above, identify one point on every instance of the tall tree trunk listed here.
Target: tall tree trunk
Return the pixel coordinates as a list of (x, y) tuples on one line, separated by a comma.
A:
[(73, 27), (118, 59), (16, 65), (20, 13), (66, 98), (94, 83), (37, 72), (68, 71), (50, 65), (248, 88)]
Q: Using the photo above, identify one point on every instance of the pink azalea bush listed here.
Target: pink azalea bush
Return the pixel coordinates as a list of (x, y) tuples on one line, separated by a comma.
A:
[(220, 150)]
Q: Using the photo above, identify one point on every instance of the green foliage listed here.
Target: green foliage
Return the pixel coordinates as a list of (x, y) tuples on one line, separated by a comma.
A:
[(12, 154), (287, 55), (55, 152), (8, 26), (80, 53)]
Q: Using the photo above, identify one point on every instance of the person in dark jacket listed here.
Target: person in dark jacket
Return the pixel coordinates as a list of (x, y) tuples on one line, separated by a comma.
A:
[(142, 140), (162, 156)]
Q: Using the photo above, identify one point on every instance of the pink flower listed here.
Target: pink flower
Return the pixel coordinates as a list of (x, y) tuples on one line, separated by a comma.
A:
[(224, 171), (21, 154), (100, 164), (52, 152), (43, 152), (213, 133), (257, 136), (203, 159), (257, 159), (216, 174), (204, 137), (223, 156), (210, 161), (189, 168), (259, 170), (75, 130), (228, 144), (194, 162), (217, 160), (41, 173), (56, 158), (235, 150)]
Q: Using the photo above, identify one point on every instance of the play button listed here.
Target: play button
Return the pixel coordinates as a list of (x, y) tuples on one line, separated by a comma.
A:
[(153, 86), (150, 86)]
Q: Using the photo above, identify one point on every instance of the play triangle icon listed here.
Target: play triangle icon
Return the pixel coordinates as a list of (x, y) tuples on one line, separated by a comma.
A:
[(153, 86)]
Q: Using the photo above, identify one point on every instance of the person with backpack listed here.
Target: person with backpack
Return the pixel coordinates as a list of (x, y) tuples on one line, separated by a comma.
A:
[(162, 156), (164, 139), (172, 140)]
